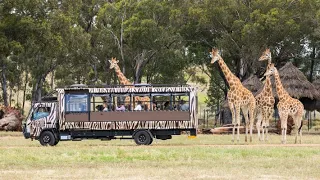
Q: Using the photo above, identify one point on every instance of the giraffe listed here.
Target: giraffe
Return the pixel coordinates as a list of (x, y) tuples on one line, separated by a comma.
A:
[(287, 106), (265, 100), (239, 98), (124, 81)]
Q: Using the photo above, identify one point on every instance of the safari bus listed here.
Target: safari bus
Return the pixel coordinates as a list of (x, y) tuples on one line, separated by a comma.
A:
[(139, 112)]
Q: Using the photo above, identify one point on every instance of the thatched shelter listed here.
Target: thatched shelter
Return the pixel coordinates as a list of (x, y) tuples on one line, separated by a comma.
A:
[(254, 84), (296, 83), (316, 84)]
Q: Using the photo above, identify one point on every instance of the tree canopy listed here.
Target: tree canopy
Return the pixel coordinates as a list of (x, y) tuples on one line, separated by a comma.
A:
[(162, 41)]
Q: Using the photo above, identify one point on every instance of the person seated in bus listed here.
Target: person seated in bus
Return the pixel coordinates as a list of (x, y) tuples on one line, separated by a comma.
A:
[(154, 106), (121, 107), (138, 107), (105, 107), (42, 112), (184, 106), (166, 106), (99, 108)]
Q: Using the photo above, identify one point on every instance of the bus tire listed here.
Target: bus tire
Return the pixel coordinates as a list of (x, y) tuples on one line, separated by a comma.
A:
[(56, 142), (151, 141), (47, 138), (142, 138)]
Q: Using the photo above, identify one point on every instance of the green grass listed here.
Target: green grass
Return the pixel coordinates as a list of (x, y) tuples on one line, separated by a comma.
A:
[(205, 157)]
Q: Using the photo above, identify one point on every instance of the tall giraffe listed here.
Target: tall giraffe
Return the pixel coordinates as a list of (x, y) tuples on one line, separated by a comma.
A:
[(265, 100), (287, 106), (124, 81), (238, 98)]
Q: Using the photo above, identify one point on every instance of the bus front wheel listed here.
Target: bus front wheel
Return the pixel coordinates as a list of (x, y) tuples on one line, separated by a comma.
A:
[(142, 138), (47, 138)]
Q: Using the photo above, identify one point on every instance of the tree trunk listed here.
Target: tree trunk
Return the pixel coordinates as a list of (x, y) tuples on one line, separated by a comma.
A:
[(4, 85), (10, 96), (313, 55), (78, 79), (52, 80), (37, 90), (107, 72), (17, 97), (137, 75), (141, 61), (36, 93), (24, 91)]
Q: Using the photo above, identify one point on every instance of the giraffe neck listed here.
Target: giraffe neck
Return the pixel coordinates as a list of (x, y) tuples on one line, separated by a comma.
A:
[(123, 80), (232, 80), (282, 93), (267, 89)]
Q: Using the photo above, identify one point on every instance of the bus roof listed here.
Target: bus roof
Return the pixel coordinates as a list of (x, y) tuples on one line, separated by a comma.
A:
[(131, 89)]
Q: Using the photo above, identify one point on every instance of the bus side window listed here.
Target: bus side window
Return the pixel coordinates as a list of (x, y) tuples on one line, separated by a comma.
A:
[(76, 102)]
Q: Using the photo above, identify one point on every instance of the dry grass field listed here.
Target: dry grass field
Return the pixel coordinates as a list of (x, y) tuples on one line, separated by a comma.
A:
[(205, 157)]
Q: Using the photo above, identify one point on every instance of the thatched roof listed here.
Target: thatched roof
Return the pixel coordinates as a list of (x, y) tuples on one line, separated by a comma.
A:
[(296, 83), (316, 84), (253, 83)]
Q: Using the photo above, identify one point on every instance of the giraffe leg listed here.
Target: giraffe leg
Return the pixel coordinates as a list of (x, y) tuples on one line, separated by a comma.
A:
[(233, 132), (296, 127), (263, 124), (238, 122), (267, 134), (269, 117), (251, 128), (263, 128), (247, 129), (283, 120), (238, 132), (258, 124), (251, 116), (233, 114), (285, 130), (299, 128), (245, 115)]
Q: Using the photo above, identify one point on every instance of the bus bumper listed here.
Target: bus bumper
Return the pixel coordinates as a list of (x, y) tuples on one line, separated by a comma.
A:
[(25, 132)]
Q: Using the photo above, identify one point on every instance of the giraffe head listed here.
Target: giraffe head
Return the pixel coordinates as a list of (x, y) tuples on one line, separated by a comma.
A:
[(270, 70), (215, 55), (113, 63), (266, 56)]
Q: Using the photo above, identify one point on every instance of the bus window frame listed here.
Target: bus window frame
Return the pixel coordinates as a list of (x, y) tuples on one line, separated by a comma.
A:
[(77, 92)]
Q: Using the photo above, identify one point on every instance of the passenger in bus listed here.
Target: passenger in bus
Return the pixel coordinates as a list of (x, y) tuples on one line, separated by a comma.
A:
[(138, 107), (166, 106), (105, 107), (121, 107), (155, 106), (184, 106), (99, 108)]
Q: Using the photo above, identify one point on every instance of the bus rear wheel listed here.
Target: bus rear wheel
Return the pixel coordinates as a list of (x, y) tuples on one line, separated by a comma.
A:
[(142, 138), (47, 138)]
